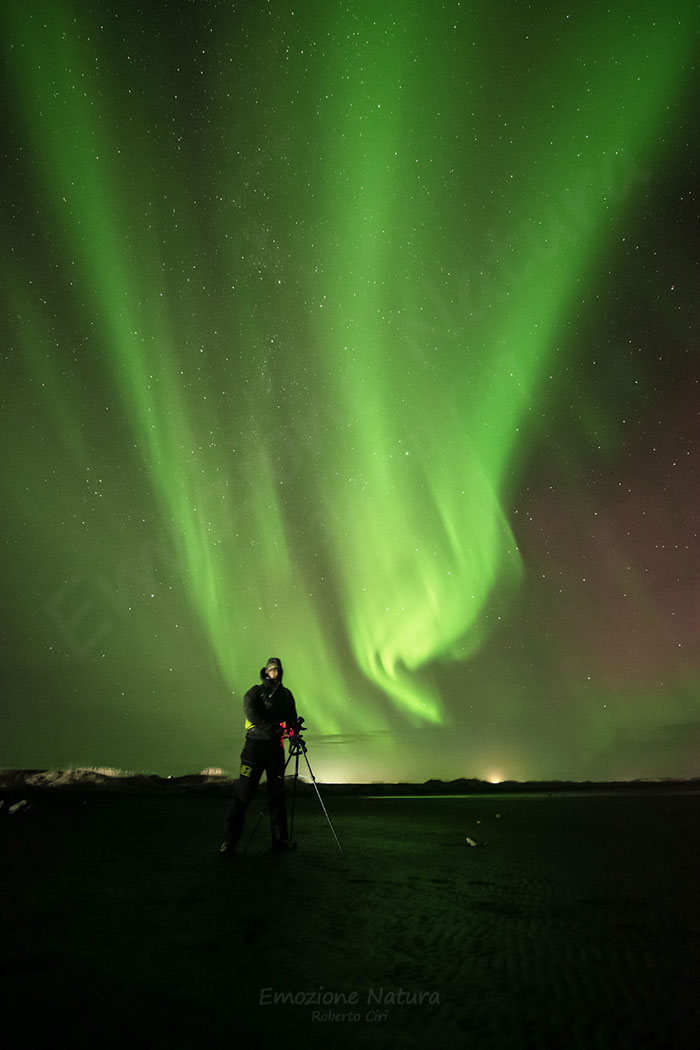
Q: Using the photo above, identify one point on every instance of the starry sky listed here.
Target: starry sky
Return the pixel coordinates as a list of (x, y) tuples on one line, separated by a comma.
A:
[(362, 335)]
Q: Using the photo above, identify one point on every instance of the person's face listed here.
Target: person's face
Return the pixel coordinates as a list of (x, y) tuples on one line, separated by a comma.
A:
[(272, 671)]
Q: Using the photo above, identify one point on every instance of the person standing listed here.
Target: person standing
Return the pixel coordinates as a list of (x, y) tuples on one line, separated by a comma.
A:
[(270, 714)]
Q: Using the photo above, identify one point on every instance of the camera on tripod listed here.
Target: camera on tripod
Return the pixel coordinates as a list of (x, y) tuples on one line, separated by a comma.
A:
[(297, 747), (294, 735)]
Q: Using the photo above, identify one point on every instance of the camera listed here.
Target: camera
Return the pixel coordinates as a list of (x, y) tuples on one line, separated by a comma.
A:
[(297, 743)]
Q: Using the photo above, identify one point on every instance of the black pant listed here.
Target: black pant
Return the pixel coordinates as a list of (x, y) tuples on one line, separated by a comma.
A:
[(258, 757)]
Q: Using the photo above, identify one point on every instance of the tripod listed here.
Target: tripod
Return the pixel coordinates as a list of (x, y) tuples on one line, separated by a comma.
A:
[(297, 747)]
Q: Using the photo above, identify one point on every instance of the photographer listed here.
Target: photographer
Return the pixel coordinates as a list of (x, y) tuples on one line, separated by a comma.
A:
[(270, 714)]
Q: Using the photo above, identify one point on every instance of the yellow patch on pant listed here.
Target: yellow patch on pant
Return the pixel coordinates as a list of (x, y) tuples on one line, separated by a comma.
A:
[(246, 770)]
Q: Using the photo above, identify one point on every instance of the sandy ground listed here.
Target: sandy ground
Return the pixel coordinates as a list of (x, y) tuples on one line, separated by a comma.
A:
[(576, 926)]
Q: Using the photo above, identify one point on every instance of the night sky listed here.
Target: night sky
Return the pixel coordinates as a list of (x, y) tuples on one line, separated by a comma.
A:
[(364, 335)]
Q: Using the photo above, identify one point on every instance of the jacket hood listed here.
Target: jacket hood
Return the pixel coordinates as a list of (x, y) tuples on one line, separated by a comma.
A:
[(277, 662)]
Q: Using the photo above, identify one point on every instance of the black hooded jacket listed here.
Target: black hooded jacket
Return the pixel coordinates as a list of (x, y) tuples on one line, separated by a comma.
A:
[(269, 707)]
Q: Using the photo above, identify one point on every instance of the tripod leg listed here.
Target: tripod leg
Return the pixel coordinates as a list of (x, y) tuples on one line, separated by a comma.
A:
[(294, 796), (261, 814), (313, 778)]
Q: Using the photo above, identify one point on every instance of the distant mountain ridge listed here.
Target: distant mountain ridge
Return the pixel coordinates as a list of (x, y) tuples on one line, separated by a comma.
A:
[(13, 781)]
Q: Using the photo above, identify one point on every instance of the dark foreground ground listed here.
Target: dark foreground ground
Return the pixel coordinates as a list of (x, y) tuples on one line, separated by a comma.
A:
[(576, 926)]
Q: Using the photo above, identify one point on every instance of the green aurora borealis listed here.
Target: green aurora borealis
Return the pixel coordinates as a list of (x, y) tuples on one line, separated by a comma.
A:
[(362, 335)]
